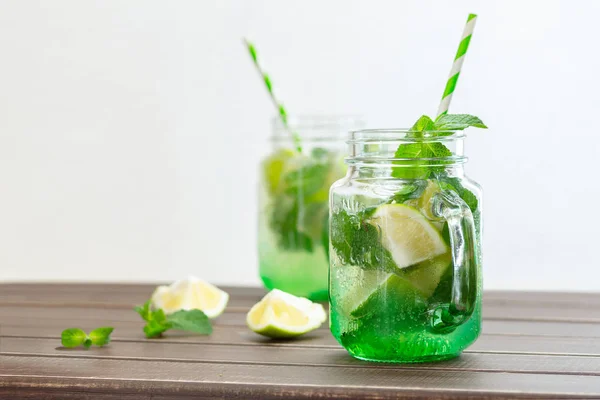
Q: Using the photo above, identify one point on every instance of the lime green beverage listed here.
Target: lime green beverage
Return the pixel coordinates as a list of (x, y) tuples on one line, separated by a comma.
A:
[(405, 239), (293, 204), (405, 279)]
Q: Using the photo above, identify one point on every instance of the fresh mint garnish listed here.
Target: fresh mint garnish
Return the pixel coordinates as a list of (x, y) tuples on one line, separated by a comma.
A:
[(457, 122), (74, 337), (415, 163), (157, 322), (424, 123)]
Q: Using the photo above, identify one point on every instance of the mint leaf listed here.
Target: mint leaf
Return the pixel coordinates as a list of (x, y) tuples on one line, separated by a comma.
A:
[(155, 329), (306, 180), (416, 165), (357, 242), (438, 150), (284, 222), (157, 322), (413, 167), (424, 123), (72, 337), (144, 311), (191, 321), (295, 216), (453, 122), (101, 336), (159, 316), (451, 183), (408, 192)]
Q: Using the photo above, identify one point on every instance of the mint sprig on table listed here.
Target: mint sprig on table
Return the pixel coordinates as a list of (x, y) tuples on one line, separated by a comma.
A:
[(74, 337), (157, 322)]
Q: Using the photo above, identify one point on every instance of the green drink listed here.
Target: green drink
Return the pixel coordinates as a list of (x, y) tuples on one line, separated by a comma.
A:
[(293, 204), (405, 278), (405, 239)]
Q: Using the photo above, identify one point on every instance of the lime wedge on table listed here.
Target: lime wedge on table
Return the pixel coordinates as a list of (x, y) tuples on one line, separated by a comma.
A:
[(407, 235), (282, 315), (189, 294)]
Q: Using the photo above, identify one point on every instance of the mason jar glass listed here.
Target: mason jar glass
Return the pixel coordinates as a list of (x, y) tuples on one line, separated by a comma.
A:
[(293, 202), (405, 277)]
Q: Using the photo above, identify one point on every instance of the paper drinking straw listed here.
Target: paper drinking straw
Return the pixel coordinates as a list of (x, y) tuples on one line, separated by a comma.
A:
[(457, 65), (278, 106)]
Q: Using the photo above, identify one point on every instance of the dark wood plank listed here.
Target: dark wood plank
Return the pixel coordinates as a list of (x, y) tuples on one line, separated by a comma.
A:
[(116, 295), (540, 312), (333, 356), (554, 299), (233, 316), (487, 343), (542, 328), (275, 381)]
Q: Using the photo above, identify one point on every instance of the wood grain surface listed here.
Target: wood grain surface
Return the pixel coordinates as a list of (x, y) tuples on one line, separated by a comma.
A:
[(534, 345)]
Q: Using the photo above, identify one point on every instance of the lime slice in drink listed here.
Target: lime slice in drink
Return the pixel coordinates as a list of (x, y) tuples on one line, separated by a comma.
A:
[(426, 275), (423, 203), (273, 168), (396, 299), (189, 294), (357, 285), (282, 315), (407, 234)]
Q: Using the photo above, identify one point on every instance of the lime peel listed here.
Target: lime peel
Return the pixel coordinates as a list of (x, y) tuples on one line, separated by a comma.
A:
[(407, 234), (282, 315), (190, 294)]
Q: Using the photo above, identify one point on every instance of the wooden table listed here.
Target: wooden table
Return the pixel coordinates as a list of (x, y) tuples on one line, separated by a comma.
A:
[(534, 345)]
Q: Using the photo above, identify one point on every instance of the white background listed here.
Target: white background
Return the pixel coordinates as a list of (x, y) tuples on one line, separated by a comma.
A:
[(130, 131)]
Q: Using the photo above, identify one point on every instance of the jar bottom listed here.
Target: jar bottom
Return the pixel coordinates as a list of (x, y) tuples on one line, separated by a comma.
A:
[(408, 360)]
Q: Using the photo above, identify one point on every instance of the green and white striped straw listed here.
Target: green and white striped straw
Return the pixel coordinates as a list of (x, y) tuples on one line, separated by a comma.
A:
[(278, 106), (457, 65)]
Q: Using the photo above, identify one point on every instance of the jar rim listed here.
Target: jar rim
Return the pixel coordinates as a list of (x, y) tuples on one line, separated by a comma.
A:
[(316, 127), (403, 135)]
